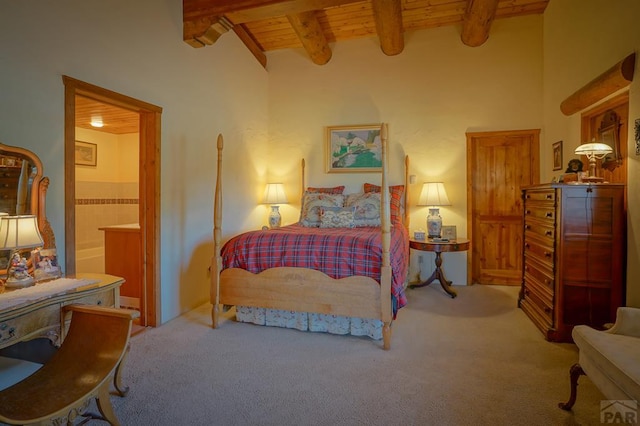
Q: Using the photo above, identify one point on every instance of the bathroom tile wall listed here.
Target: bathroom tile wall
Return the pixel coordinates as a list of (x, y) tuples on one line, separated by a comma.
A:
[(100, 204)]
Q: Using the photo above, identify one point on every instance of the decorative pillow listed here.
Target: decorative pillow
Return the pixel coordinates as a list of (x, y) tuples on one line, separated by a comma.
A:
[(337, 217), (367, 207), (313, 202), (396, 192), (333, 190)]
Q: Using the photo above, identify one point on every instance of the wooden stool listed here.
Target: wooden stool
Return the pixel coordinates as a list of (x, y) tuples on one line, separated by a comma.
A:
[(88, 359)]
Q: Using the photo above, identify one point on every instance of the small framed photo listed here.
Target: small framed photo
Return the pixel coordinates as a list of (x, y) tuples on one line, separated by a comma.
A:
[(45, 264), (353, 149), (449, 232), (86, 154), (557, 155)]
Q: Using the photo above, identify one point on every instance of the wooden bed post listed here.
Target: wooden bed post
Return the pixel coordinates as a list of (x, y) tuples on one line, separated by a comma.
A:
[(216, 260), (385, 270), (407, 181)]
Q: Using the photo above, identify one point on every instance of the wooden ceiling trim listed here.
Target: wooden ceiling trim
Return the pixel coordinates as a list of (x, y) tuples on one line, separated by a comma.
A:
[(477, 21), (282, 9)]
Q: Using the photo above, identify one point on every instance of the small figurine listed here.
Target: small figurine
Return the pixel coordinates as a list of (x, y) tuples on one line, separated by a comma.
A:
[(574, 166)]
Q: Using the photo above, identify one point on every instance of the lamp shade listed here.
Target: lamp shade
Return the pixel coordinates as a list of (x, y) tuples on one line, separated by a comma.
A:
[(274, 194), (597, 150), (19, 232), (594, 151), (433, 194)]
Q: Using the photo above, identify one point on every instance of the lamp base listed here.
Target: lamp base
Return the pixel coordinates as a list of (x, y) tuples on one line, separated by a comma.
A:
[(274, 217), (19, 283)]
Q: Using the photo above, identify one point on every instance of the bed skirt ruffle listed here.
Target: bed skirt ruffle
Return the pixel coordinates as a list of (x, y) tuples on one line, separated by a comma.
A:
[(304, 321)]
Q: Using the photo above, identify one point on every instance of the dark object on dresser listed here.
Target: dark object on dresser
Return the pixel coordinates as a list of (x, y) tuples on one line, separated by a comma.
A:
[(574, 256)]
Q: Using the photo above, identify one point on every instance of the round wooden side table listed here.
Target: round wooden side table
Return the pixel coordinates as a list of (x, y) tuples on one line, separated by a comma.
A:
[(460, 244)]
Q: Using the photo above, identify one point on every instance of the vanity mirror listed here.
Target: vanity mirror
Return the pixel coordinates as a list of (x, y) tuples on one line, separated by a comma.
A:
[(23, 191)]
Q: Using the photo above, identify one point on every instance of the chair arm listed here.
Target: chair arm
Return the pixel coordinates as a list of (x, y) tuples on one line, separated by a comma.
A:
[(101, 310), (627, 322)]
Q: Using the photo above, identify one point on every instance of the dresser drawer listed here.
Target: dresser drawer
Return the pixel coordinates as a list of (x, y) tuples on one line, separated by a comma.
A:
[(540, 303), (540, 211), (105, 298), (540, 195), (35, 322), (541, 252), (539, 275), (544, 230)]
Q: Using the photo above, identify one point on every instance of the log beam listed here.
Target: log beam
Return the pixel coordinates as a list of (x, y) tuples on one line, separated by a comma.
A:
[(388, 17), (615, 78), (250, 44), (477, 21), (310, 33)]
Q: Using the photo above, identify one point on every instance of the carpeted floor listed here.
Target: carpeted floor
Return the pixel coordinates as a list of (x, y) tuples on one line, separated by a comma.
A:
[(473, 360)]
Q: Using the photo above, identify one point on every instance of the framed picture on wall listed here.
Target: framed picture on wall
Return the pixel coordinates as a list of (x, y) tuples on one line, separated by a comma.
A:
[(352, 149), (557, 155), (86, 153)]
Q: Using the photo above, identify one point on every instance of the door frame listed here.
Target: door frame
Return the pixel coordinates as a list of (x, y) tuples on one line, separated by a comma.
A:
[(149, 194)]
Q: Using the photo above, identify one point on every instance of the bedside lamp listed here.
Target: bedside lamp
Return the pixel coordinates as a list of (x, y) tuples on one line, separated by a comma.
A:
[(593, 151), (432, 195), (274, 194), (17, 233)]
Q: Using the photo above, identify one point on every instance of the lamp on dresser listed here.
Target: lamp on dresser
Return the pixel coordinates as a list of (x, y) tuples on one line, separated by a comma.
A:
[(274, 195), (18, 233), (593, 151), (434, 195)]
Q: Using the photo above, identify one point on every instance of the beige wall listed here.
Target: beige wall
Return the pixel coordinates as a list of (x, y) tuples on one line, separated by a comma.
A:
[(431, 94), (582, 39), (136, 48)]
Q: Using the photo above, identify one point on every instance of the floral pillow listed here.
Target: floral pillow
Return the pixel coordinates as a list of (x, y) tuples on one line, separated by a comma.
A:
[(396, 192), (337, 217), (367, 208), (312, 203)]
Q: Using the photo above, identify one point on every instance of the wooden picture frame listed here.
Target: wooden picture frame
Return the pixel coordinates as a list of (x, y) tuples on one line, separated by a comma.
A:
[(608, 134), (353, 149), (86, 154), (557, 155)]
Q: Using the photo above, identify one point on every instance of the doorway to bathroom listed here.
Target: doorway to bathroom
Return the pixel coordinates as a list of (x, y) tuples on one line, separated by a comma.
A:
[(112, 191)]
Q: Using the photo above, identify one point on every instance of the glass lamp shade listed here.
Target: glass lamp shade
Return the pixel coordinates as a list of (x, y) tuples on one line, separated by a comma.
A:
[(433, 194), (593, 151)]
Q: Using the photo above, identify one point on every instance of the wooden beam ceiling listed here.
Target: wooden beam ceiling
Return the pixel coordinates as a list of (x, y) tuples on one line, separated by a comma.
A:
[(265, 25)]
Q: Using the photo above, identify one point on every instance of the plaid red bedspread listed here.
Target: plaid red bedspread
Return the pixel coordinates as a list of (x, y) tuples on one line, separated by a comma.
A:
[(338, 252)]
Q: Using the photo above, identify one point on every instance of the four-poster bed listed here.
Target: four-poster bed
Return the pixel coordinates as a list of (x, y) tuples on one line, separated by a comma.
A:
[(311, 269)]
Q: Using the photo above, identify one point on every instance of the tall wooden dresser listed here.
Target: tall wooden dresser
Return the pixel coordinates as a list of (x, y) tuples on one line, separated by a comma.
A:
[(574, 256)]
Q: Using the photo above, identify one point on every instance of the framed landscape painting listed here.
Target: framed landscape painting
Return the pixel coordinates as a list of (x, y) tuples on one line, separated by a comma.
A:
[(352, 149)]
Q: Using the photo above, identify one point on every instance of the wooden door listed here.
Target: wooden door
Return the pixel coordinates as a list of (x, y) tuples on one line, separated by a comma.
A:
[(499, 164)]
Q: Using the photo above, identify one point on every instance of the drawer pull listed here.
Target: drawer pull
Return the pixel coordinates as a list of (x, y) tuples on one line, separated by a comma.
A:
[(547, 254), (527, 227), (549, 214), (547, 309), (549, 197), (548, 233), (526, 245), (527, 212), (99, 302)]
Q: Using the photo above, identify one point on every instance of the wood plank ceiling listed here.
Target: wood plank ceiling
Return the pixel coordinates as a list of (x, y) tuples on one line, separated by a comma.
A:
[(265, 25)]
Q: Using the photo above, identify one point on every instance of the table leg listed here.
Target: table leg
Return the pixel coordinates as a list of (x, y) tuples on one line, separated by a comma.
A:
[(438, 274)]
